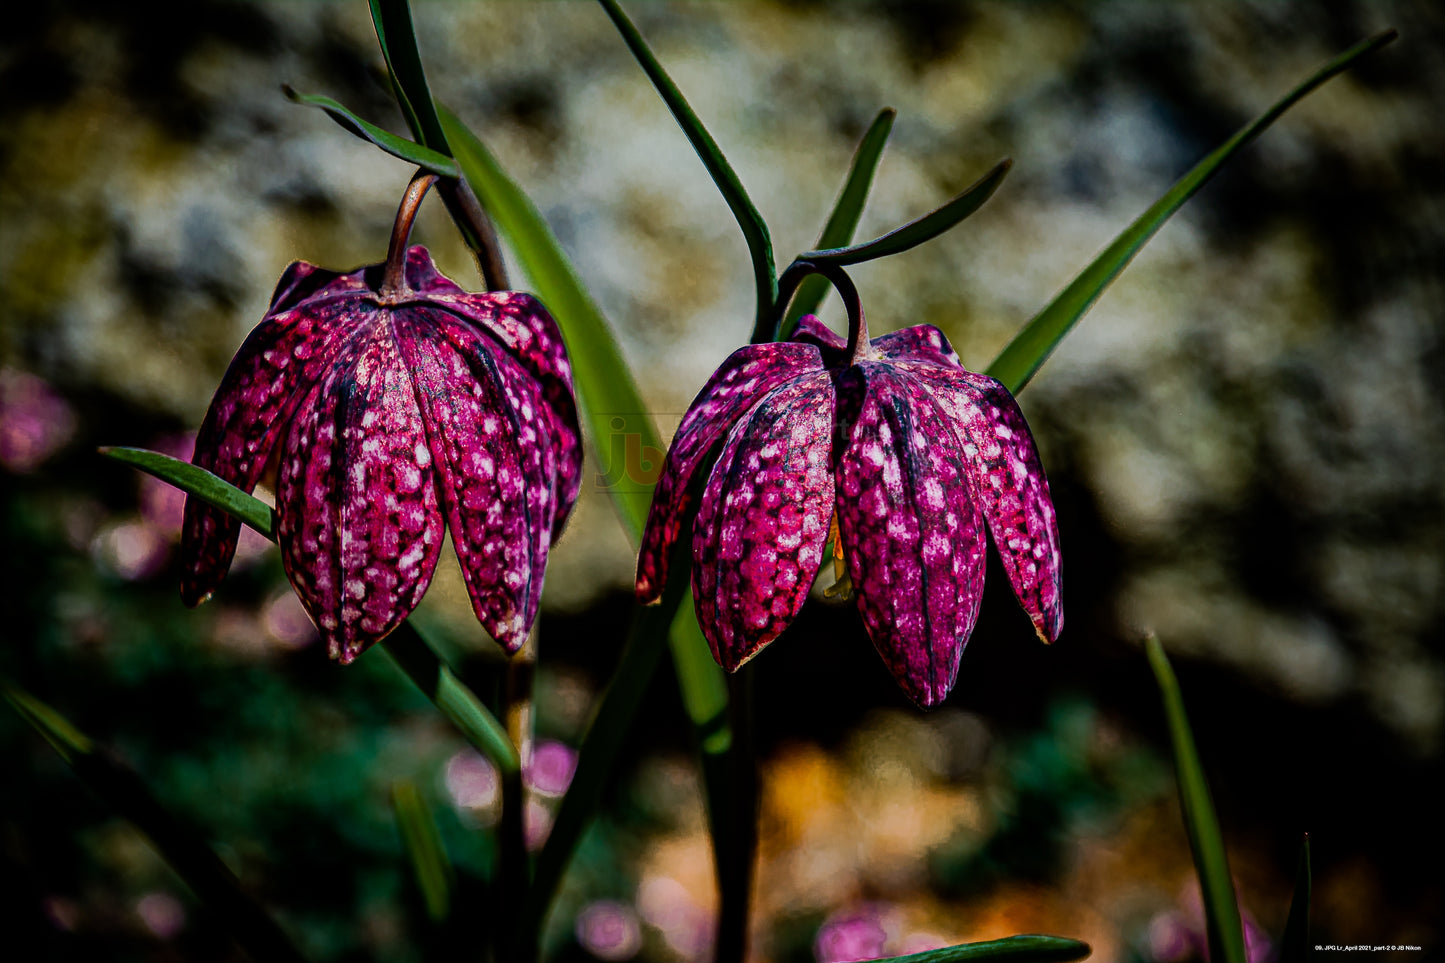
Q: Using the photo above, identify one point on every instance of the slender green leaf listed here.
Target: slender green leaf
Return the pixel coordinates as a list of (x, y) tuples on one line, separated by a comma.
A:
[(423, 843), (394, 31), (612, 406), (201, 483), (121, 789), (452, 698), (915, 232), (395, 146), (1031, 346), (1221, 908), (1295, 945), (755, 230), (63, 737), (1012, 949), (842, 222), (417, 659)]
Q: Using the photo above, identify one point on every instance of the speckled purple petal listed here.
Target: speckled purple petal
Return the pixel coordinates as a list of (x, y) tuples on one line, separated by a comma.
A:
[(1008, 483), (921, 342), (911, 535), (812, 331), (282, 357), (521, 325), (760, 529), (491, 432), (359, 526), (746, 376)]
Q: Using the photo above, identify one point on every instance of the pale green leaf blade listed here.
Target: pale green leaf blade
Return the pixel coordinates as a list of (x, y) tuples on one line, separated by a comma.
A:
[(1201, 825), (201, 483), (407, 150), (1031, 346), (921, 229), (755, 230), (844, 219), (423, 844)]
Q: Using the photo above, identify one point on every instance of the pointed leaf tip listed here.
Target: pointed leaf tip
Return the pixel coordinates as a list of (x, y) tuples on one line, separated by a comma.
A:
[(1031, 347), (921, 229)]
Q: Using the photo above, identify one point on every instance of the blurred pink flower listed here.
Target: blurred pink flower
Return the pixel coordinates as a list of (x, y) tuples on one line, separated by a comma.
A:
[(850, 936), (550, 769), (35, 421), (609, 930)]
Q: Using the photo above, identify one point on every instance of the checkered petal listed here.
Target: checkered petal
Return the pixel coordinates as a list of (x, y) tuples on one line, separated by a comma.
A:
[(1008, 484), (359, 526), (760, 529), (493, 438), (912, 536), (745, 377), (280, 360)]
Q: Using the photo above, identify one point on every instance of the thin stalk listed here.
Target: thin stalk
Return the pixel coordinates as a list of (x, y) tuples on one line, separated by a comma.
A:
[(857, 324), (513, 874), (740, 777), (477, 229), (393, 283)]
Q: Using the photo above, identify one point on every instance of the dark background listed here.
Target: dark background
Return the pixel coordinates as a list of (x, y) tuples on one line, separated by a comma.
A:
[(1245, 441)]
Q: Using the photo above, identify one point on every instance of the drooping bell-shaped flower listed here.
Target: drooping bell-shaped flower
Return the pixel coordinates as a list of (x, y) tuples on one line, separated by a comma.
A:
[(403, 407), (892, 447)]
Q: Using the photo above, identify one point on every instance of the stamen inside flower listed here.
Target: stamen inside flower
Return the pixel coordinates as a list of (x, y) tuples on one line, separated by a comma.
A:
[(842, 587)]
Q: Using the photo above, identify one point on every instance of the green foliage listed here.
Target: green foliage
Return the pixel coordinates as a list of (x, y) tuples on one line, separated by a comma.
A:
[(1206, 843)]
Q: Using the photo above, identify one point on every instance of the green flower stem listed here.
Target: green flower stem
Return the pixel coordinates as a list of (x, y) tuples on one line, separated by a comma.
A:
[(452, 698), (842, 222), (122, 789), (1221, 908), (1295, 945), (755, 230), (734, 819)]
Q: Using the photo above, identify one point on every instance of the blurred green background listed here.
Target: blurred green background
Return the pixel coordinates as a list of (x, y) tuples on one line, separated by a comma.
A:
[(1245, 439)]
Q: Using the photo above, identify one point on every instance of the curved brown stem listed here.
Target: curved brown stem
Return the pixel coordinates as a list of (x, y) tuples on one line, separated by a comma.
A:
[(476, 227), (393, 281), (857, 324)]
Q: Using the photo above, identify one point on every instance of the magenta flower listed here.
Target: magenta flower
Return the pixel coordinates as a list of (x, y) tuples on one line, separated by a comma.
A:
[(400, 404), (894, 447)]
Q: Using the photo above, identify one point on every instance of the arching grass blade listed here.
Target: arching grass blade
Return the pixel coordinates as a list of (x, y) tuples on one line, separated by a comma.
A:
[(1031, 346), (842, 222), (755, 230), (395, 146), (201, 483), (1206, 843), (915, 232)]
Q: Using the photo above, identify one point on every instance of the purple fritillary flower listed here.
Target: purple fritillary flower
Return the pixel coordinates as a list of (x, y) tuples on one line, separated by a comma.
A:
[(908, 453), (398, 409)]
